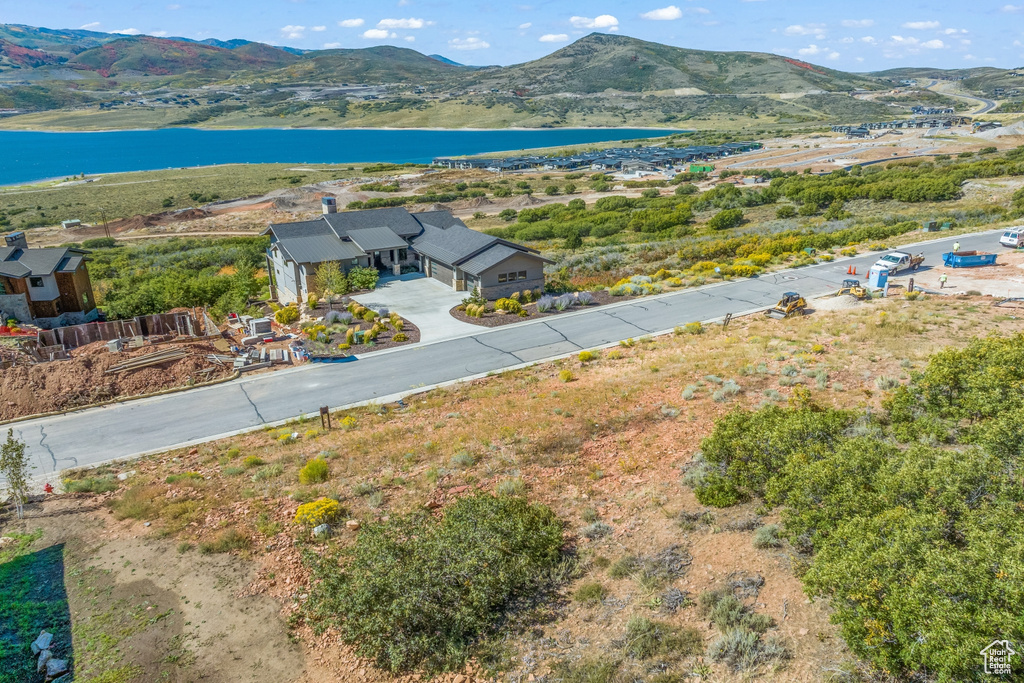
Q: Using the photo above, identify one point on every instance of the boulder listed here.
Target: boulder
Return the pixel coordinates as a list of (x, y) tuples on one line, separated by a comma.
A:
[(352, 525), (42, 642), (322, 531), (56, 667), (44, 657)]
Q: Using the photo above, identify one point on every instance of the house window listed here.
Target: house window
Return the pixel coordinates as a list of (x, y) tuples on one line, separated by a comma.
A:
[(355, 262), (502, 277), (35, 281), (403, 254), (522, 274)]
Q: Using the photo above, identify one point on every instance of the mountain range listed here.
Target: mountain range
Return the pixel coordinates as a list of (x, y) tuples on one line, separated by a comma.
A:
[(44, 69)]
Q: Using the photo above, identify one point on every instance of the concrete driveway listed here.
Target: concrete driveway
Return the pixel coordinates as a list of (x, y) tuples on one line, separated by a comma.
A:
[(423, 301)]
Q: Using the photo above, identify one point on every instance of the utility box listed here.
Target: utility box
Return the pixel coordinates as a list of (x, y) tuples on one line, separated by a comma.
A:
[(878, 277), (258, 327)]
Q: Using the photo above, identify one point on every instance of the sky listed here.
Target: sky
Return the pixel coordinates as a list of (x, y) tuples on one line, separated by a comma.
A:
[(868, 35)]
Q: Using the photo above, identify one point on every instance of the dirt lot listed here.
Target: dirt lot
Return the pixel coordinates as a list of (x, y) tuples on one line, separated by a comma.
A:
[(28, 389), (611, 443)]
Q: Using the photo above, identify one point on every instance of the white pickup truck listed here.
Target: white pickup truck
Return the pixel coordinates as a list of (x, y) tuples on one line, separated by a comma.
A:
[(898, 260)]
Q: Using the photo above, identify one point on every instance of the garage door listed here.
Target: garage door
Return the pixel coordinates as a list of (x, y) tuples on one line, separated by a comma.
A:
[(441, 272)]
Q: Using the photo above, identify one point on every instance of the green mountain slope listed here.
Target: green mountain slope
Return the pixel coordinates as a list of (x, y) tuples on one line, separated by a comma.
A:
[(148, 56), (599, 61), (372, 65)]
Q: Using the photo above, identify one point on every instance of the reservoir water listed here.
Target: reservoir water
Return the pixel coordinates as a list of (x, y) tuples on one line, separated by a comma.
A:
[(26, 156)]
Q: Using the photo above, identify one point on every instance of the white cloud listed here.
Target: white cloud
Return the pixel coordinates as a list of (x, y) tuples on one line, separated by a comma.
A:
[(90, 26), (858, 23), (468, 44), (553, 38), (846, 41), (409, 39), (158, 34), (332, 46), (810, 50), (174, 7), (921, 25), (603, 21), (319, 29), (964, 41), (1013, 8), (410, 23), (128, 32), (664, 14), (933, 44), (833, 55), (870, 40), (955, 31), (816, 30), (525, 26), (377, 34), (970, 58), (293, 32), (351, 23)]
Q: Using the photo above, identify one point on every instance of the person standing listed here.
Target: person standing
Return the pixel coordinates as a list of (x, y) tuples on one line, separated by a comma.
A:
[(942, 281), (956, 247)]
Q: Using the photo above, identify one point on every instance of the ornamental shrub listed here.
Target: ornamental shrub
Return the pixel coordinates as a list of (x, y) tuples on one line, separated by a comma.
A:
[(508, 305), (323, 511), (586, 356), (287, 315), (419, 592), (363, 278), (400, 337), (314, 472)]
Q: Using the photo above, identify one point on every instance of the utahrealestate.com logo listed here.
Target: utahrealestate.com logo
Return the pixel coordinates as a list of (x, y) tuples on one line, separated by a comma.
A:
[(998, 656)]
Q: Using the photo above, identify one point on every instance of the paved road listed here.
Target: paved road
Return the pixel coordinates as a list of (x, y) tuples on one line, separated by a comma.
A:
[(986, 104), (136, 427)]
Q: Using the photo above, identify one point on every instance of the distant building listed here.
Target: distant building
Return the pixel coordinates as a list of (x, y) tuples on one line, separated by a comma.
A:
[(71, 224), (46, 287)]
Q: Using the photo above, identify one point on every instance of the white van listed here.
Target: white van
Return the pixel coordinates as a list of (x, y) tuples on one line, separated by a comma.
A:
[(1013, 238)]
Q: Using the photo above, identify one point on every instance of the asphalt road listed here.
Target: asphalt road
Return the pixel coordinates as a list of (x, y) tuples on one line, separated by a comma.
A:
[(133, 428)]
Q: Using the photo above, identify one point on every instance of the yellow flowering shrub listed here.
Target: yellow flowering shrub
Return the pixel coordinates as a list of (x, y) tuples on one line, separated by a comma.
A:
[(318, 512)]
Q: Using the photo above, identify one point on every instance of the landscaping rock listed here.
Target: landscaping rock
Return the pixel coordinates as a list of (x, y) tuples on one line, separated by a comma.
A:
[(322, 531), (352, 525), (56, 667), (41, 643), (44, 657), (125, 475)]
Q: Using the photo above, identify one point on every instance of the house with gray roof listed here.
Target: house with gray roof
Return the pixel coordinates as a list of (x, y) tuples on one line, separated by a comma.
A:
[(435, 243), (45, 287)]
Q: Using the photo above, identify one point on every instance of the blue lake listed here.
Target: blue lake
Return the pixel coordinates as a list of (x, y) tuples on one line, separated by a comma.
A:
[(29, 156)]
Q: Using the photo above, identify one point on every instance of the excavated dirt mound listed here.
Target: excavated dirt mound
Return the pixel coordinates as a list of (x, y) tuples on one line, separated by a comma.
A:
[(522, 200), (63, 385), (141, 221)]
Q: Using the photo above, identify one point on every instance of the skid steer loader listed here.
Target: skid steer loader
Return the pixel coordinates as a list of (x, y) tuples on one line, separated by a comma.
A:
[(790, 304)]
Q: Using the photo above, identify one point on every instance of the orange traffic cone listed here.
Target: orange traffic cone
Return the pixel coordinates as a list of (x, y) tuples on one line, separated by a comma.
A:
[(855, 270), (849, 270)]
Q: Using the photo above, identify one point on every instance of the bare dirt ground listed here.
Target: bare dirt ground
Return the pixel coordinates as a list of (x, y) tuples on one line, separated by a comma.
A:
[(612, 444), (28, 389)]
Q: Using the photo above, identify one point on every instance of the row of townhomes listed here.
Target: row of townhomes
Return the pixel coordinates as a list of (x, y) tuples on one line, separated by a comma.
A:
[(46, 287), (435, 243)]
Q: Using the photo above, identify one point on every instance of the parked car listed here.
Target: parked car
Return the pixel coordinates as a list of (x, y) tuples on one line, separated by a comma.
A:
[(898, 260), (1013, 238)]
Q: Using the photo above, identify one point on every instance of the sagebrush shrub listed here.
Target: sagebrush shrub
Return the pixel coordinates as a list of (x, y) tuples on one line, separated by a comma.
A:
[(323, 511), (419, 592)]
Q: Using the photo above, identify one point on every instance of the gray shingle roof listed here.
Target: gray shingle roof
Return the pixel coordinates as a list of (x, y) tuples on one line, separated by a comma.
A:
[(376, 239), (318, 248), (397, 219), (21, 262), (439, 219), (451, 246), (489, 258), (317, 226)]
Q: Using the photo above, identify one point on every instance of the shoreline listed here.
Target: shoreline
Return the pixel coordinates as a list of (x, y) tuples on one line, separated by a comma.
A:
[(358, 129), (543, 145)]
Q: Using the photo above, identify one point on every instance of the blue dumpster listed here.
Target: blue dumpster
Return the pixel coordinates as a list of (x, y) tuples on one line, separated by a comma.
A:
[(877, 277), (967, 259)]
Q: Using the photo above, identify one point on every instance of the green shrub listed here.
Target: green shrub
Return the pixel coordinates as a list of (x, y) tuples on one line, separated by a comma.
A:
[(767, 537), (785, 211), (725, 219), (586, 356), (99, 243), (566, 376), (589, 593), (225, 541), (693, 328), (252, 461), (400, 337), (508, 305), (184, 478), (646, 638), (287, 315), (314, 472), (363, 278), (102, 484), (404, 598)]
